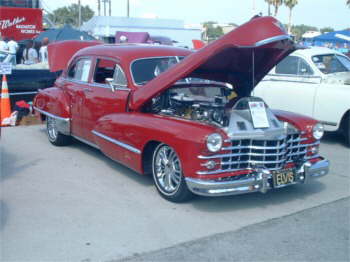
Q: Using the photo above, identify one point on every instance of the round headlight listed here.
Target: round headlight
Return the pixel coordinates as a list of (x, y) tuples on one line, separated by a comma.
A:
[(318, 131), (214, 142)]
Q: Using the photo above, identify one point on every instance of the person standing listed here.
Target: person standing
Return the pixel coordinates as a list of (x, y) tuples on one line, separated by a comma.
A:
[(30, 55), (43, 55), (13, 47), (3, 49)]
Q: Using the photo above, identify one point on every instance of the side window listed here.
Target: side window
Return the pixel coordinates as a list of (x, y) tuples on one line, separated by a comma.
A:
[(288, 66), (119, 77), (80, 70), (304, 68), (104, 69)]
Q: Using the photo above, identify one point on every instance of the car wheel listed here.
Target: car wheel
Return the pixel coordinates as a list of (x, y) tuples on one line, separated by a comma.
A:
[(347, 130), (168, 176), (54, 136)]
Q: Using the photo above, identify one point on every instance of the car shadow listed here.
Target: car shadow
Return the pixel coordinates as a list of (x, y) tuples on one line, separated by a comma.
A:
[(252, 200), (4, 214), (145, 180), (10, 164)]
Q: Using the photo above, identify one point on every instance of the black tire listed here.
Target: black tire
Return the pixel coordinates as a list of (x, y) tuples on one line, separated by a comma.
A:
[(168, 176), (55, 137), (347, 130)]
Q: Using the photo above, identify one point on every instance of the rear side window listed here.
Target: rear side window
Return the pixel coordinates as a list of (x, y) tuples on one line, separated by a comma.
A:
[(80, 70)]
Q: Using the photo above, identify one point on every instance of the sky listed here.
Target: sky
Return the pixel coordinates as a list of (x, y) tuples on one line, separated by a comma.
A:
[(319, 13)]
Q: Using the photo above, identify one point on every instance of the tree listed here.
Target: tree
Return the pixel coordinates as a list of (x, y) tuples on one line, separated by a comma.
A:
[(290, 4), (211, 31), (348, 3), (275, 3), (70, 15), (326, 30), (299, 30), (269, 3)]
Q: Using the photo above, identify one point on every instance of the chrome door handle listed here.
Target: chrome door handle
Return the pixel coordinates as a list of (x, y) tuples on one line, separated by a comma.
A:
[(87, 90)]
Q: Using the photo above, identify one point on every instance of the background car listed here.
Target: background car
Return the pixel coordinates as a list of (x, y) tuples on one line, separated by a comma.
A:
[(314, 82)]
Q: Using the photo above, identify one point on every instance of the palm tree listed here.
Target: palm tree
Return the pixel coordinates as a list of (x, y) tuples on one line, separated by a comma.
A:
[(290, 4), (269, 2), (276, 4)]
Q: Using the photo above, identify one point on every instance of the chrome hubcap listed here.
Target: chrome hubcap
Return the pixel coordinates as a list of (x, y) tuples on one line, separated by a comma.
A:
[(167, 169), (51, 129)]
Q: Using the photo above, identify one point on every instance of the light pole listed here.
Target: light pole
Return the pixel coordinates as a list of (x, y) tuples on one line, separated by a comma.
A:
[(79, 16), (128, 9)]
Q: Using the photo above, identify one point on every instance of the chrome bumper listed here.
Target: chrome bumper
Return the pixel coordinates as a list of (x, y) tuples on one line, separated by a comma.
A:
[(261, 181)]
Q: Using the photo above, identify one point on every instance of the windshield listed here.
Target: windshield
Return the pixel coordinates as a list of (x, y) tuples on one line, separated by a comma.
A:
[(145, 69), (331, 63)]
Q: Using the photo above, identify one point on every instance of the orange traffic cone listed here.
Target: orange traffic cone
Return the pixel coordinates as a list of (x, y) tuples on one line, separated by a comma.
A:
[(5, 107)]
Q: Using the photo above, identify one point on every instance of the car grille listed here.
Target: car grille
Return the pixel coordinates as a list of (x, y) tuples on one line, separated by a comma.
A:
[(251, 154), (271, 154)]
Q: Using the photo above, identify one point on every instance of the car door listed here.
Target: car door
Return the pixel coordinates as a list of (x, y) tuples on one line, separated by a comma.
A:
[(291, 86), (101, 99), (76, 85)]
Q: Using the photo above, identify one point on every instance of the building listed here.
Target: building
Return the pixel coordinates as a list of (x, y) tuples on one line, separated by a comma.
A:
[(105, 28)]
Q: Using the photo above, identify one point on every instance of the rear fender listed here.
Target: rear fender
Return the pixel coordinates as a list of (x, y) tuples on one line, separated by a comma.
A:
[(52, 102)]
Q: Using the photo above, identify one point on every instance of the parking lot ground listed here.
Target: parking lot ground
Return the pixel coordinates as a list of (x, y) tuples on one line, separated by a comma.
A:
[(289, 238), (75, 204)]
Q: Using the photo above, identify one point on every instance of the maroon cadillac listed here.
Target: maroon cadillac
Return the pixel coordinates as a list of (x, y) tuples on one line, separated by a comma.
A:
[(187, 118)]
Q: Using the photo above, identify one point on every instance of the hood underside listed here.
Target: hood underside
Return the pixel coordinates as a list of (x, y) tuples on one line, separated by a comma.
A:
[(242, 58), (61, 52)]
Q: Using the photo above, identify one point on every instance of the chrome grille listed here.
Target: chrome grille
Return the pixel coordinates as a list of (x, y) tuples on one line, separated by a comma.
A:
[(271, 154)]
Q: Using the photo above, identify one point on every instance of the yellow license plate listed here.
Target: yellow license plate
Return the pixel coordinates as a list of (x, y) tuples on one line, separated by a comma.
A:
[(283, 177)]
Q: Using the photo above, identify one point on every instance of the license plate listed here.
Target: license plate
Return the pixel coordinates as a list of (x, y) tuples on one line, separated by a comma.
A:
[(283, 177)]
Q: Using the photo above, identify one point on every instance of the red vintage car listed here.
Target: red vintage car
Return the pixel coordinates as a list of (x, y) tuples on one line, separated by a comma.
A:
[(186, 117)]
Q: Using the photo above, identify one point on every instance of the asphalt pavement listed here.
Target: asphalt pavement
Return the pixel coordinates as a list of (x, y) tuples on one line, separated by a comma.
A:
[(75, 204)]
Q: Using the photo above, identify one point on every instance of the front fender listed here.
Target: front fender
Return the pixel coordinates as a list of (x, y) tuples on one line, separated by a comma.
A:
[(135, 129)]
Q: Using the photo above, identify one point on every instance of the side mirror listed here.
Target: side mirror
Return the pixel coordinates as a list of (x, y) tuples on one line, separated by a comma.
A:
[(111, 83)]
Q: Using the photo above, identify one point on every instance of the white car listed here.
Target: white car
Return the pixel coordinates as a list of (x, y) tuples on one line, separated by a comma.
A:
[(313, 82)]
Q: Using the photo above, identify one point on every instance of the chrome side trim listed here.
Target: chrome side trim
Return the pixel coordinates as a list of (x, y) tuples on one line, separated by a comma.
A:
[(272, 39), (23, 93), (289, 81), (114, 141), (51, 115), (85, 141), (293, 76), (329, 123), (108, 87), (62, 124)]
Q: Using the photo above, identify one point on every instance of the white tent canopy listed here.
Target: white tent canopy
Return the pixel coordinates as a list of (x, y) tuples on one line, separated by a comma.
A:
[(107, 26)]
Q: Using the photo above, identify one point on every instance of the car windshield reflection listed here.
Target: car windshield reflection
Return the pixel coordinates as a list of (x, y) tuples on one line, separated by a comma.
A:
[(145, 69)]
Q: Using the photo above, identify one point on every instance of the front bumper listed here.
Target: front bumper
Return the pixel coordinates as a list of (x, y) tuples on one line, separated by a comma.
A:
[(261, 181)]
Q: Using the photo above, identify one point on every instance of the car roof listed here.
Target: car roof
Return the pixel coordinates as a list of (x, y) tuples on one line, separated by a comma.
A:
[(130, 52), (316, 51)]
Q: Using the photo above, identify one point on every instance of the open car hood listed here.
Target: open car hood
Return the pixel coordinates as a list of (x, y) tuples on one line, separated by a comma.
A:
[(60, 53), (242, 58)]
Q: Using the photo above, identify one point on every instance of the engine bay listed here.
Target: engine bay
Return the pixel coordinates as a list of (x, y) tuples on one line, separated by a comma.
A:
[(218, 105), (202, 103)]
